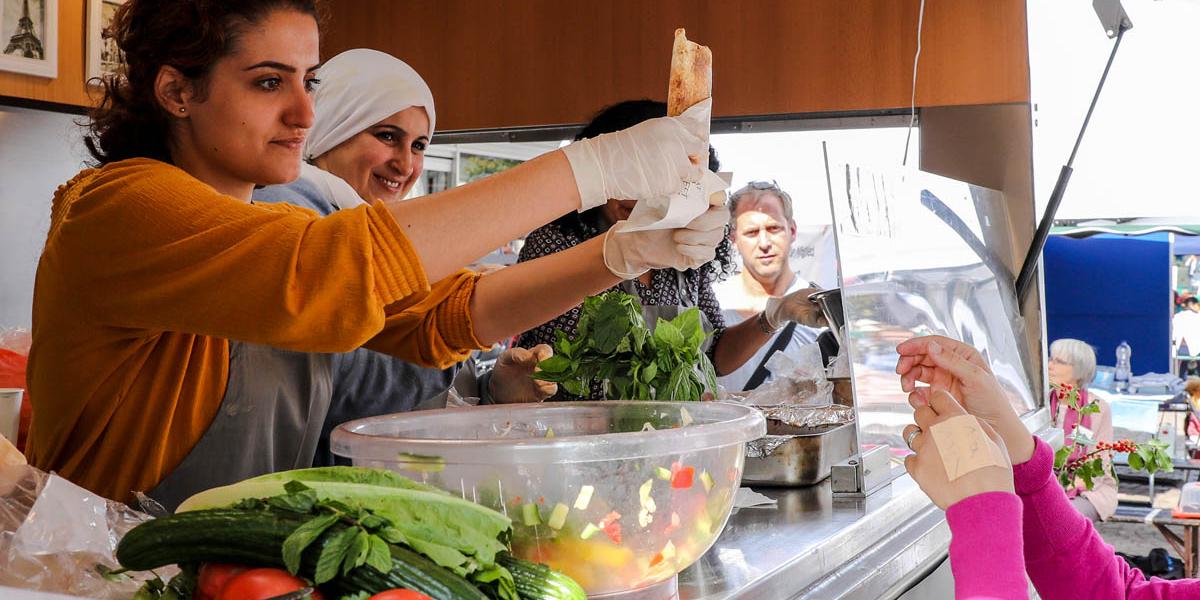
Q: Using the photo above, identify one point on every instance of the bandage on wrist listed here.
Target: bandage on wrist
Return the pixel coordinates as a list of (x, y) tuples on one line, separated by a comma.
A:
[(964, 447)]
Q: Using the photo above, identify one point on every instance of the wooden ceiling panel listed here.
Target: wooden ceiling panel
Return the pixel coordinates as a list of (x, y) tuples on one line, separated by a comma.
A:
[(494, 63)]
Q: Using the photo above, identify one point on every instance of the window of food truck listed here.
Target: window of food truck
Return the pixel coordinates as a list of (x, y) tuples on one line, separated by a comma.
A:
[(794, 159)]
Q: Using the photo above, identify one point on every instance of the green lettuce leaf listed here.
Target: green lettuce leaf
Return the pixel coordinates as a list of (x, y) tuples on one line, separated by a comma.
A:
[(450, 531)]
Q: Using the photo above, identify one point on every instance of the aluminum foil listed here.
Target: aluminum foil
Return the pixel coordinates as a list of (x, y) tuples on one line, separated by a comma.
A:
[(765, 446), (807, 417)]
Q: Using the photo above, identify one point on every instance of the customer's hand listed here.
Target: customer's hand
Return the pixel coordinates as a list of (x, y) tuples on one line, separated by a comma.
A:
[(512, 380), (649, 160), (794, 307), (946, 364), (628, 254), (927, 465)]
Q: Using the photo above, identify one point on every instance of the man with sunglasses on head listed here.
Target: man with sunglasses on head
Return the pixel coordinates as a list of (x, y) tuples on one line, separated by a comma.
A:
[(767, 289)]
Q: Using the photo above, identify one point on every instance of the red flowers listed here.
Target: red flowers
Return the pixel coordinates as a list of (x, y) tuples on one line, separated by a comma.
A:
[(1117, 446)]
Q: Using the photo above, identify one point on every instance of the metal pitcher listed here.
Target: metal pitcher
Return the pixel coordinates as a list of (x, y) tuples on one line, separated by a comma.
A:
[(830, 303)]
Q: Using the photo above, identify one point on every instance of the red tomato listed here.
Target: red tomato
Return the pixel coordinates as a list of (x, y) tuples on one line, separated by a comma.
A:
[(400, 595), (213, 577), (260, 584), (682, 479)]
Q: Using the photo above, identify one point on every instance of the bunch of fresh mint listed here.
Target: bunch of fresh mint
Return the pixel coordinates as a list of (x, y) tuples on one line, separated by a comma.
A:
[(614, 346)]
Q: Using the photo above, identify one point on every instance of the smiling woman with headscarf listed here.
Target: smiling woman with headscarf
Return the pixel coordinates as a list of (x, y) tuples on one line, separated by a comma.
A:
[(374, 118)]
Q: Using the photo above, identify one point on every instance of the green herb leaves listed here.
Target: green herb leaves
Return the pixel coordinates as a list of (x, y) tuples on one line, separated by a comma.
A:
[(306, 534), (613, 346)]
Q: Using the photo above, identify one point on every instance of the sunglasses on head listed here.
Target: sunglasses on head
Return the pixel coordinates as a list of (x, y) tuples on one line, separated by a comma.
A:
[(763, 185)]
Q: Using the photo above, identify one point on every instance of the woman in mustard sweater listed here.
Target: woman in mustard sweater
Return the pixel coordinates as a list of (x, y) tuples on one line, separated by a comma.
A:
[(156, 259)]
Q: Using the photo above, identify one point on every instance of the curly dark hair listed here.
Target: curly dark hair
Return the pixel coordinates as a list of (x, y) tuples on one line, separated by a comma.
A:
[(591, 222), (189, 35)]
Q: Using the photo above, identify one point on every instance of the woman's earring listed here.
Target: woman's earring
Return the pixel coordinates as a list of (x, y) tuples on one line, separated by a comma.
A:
[(182, 109)]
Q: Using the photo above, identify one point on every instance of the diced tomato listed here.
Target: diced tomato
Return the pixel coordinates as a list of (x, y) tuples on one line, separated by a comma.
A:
[(516, 501), (611, 527), (613, 530), (260, 584), (611, 517), (657, 559), (213, 577), (682, 479), (400, 595)]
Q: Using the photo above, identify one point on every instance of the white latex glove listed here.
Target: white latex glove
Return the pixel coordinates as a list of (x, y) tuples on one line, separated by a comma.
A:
[(511, 382), (628, 254), (649, 160), (794, 307)]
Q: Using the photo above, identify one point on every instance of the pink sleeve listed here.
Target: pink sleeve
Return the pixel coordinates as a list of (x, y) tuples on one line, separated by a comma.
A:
[(1064, 556), (985, 547)]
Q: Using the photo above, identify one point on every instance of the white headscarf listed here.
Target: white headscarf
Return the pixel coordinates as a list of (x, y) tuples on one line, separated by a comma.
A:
[(360, 88)]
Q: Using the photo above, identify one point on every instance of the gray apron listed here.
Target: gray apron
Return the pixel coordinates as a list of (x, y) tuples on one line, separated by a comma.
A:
[(270, 420)]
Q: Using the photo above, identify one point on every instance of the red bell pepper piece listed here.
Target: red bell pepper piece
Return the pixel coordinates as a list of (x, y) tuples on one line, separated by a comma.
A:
[(682, 479)]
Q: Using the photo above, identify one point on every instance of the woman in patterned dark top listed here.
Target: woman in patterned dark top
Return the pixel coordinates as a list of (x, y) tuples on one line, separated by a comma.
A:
[(730, 347)]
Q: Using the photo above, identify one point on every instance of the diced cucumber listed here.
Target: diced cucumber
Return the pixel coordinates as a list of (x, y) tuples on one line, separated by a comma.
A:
[(558, 516), (588, 531), (584, 498), (530, 515)]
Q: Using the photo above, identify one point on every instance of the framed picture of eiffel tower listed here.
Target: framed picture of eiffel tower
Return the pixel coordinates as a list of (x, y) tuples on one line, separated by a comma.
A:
[(29, 37), (103, 56)]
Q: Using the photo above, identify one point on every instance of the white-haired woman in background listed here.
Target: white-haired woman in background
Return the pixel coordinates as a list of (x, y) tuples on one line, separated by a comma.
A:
[(1073, 362)]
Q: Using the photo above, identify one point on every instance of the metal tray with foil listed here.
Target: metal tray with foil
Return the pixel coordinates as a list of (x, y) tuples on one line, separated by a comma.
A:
[(804, 456)]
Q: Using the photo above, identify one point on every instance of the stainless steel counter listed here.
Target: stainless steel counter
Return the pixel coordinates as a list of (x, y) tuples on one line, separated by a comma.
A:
[(815, 546)]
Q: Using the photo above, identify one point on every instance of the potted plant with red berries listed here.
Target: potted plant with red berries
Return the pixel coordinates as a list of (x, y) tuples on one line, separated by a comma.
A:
[(1083, 458)]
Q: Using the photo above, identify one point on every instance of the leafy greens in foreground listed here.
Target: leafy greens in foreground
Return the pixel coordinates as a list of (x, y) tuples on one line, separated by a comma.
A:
[(613, 346), (454, 533)]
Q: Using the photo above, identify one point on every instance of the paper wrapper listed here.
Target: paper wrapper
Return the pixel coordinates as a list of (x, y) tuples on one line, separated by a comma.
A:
[(689, 90), (678, 209)]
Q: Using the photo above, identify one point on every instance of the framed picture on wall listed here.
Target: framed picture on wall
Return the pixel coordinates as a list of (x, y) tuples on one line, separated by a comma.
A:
[(29, 37), (103, 56)]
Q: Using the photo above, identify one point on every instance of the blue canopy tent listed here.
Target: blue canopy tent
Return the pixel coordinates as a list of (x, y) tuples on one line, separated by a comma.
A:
[(1113, 283)]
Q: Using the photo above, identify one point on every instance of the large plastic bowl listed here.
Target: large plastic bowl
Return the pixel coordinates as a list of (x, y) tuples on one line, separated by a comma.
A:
[(662, 478)]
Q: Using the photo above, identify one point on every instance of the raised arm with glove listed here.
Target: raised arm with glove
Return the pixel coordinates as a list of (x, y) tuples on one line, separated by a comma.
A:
[(648, 160)]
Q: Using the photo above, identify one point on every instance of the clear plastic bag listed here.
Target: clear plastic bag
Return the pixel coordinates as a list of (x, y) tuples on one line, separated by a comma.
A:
[(839, 366), (54, 534), (800, 381)]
